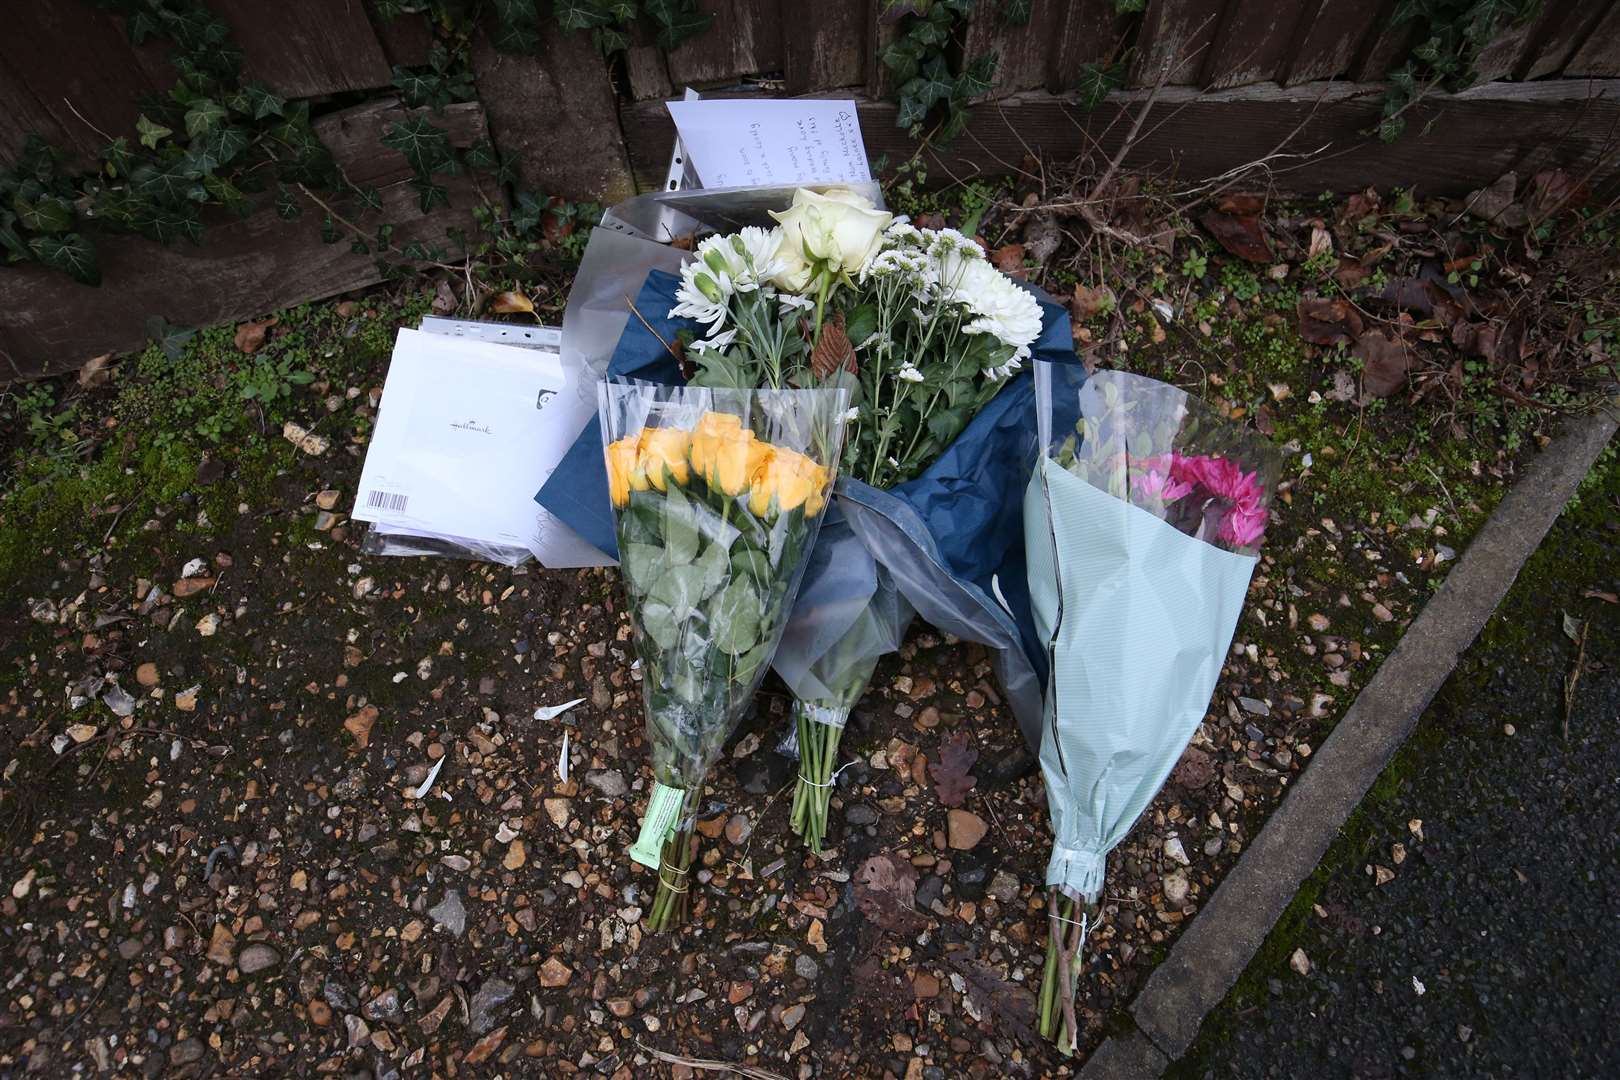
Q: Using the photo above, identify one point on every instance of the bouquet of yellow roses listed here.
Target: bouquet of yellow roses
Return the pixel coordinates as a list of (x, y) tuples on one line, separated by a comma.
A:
[(717, 497)]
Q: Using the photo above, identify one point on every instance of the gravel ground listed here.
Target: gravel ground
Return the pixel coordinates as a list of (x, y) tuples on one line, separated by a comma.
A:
[(1467, 926)]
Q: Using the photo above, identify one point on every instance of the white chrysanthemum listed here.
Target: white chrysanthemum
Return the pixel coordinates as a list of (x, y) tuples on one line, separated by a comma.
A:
[(852, 414), (903, 234), (715, 343), (999, 307), (702, 295), (908, 263), (950, 255), (909, 372), (760, 251), (877, 341)]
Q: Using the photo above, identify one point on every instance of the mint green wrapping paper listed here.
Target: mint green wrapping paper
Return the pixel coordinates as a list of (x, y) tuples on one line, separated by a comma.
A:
[(1137, 617)]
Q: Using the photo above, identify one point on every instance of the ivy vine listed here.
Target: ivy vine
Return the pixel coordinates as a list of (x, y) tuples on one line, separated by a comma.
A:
[(920, 58), (1452, 34)]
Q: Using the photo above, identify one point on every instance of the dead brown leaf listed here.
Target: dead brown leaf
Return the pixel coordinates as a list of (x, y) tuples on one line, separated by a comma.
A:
[(1235, 223), (1495, 203), (96, 371), (1321, 242), (1553, 191), (1087, 301), (833, 349), (886, 893), (250, 335), (952, 781), (1009, 259), (1385, 362), (991, 995), (1328, 322), (1606, 597), (444, 298), (511, 303)]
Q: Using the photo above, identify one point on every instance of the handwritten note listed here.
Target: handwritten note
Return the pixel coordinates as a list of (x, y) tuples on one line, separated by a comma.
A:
[(760, 142)]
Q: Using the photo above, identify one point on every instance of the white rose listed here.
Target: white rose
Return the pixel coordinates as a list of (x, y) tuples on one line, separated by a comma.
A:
[(840, 230)]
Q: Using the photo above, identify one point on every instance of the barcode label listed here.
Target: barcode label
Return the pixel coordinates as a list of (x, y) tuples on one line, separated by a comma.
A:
[(387, 500)]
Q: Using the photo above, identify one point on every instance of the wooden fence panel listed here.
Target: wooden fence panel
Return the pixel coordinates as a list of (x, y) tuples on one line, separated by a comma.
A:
[(1386, 47), (1329, 42), (1574, 24), (1022, 51), (1502, 55), (1599, 55), (80, 70), (1175, 36), (825, 44), (1092, 33), (1255, 43), (306, 48), (744, 40), (405, 39)]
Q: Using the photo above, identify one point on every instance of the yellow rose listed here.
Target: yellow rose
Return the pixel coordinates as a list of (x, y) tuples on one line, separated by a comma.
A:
[(791, 480), (735, 454), (710, 427), (663, 454), (839, 229), (623, 465)]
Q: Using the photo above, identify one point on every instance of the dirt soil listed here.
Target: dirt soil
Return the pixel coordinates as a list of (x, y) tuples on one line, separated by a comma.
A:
[(272, 806)]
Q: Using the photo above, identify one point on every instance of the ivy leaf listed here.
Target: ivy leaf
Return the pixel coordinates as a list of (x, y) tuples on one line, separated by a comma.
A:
[(934, 85), (166, 223), (170, 338), (359, 246), (421, 89), (46, 214), (174, 183), (426, 148), (623, 11), (978, 77), (256, 100), (481, 155), (225, 193), (37, 160), (116, 158), (431, 196), (1097, 81), (517, 27), (1016, 12), (677, 20), (141, 26), (72, 254), (609, 40), (329, 230), (580, 14), (287, 204), (16, 250), (370, 198), (151, 134), (203, 116), (901, 58), (218, 148)]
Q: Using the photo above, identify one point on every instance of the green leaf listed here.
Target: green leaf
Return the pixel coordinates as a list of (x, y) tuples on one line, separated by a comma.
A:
[(861, 323), (151, 134), (659, 622), (256, 100), (166, 223), (751, 563), (38, 160), (287, 204), (116, 157), (370, 198), (641, 565), (677, 20), (426, 148), (329, 230), (72, 254), (680, 587), (481, 155), (681, 535), (734, 623), (978, 77), (902, 58), (46, 214), (174, 183), (218, 148), (203, 117), (170, 338), (429, 196)]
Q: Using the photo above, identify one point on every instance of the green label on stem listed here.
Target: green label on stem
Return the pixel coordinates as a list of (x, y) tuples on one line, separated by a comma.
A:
[(657, 824)]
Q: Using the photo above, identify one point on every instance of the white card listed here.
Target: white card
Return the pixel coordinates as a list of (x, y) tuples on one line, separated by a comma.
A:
[(761, 142), (466, 434)]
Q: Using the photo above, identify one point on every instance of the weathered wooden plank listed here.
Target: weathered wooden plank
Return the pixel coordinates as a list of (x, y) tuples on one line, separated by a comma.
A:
[(1329, 42), (1175, 37), (405, 38), (1255, 42), (556, 114), (1486, 131), (1502, 55), (882, 28), (1386, 48), (1023, 52), (20, 115), (1093, 32), (744, 40), (244, 266), (306, 48), (1574, 23), (80, 69), (1599, 55), (648, 71), (824, 44)]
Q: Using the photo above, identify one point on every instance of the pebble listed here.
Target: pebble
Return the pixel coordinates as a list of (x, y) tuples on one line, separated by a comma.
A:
[(860, 814), (337, 996), (450, 914), (1176, 887), (1175, 852), (1004, 887), (384, 1008), (929, 891), (738, 829), (555, 973), (791, 1016), (609, 782), (208, 625), (1300, 962), (358, 1030), (964, 829), (493, 994), (186, 1051), (805, 968), (256, 958), (147, 674), (1254, 706)]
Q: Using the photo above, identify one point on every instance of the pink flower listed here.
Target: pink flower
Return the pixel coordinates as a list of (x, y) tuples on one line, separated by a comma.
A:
[(1245, 521), (1156, 485), (1242, 529)]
